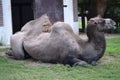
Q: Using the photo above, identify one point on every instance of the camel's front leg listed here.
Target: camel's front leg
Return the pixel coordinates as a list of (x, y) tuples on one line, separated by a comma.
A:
[(72, 61)]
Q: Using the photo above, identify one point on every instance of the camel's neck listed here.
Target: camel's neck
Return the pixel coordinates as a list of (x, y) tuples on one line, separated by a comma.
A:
[(94, 36), (95, 47), (97, 39)]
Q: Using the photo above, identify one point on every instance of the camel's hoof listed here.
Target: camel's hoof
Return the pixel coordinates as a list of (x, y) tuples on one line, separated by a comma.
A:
[(81, 63), (9, 53), (94, 63)]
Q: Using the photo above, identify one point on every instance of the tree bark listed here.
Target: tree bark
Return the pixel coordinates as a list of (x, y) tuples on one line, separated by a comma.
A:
[(97, 7), (101, 6), (92, 12)]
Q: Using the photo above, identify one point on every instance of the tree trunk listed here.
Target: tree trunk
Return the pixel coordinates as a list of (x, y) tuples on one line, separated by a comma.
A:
[(97, 7), (92, 9), (53, 8), (101, 6)]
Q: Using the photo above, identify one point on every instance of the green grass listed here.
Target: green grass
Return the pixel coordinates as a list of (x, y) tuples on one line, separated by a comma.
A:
[(113, 46), (1, 43), (80, 25), (105, 70)]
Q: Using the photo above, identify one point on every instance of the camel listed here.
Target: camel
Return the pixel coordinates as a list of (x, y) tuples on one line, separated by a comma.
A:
[(59, 44)]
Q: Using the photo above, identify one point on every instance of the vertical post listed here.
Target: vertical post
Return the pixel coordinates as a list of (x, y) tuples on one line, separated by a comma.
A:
[(83, 18), (6, 31), (69, 14), (1, 14)]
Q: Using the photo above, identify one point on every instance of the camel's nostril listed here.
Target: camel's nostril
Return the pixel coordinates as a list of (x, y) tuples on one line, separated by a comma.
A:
[(95, 23)]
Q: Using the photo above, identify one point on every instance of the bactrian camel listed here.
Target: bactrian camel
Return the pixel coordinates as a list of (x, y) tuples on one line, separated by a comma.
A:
[(57, 43)]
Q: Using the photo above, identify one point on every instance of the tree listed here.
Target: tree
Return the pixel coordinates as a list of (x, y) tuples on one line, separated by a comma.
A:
[(97, 7), (101, 6)]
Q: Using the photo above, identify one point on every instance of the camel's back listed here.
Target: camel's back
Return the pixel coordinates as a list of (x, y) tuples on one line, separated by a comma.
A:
[(53, 46)]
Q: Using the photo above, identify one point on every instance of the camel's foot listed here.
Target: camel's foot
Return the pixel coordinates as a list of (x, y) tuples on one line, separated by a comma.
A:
[(94, 63), (73, 60), (81, 63), (11, 54)]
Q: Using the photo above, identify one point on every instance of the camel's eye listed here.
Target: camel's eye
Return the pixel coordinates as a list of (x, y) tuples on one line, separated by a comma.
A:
[(101, 21), (92, 22)]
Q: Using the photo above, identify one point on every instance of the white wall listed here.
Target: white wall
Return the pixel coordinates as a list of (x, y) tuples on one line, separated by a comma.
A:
[(6, 29), (68, 15)]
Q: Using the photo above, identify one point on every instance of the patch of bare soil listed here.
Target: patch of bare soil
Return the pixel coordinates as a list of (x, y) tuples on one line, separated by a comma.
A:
[(84, 36), (31, 63), (108, 59), (28, 62), (112, 35)]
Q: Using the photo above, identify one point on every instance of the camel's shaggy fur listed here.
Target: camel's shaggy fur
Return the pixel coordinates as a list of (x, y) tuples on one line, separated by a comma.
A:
[(57, 43)]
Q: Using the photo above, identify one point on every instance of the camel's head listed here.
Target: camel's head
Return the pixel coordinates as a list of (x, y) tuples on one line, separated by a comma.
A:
[(101, 23)]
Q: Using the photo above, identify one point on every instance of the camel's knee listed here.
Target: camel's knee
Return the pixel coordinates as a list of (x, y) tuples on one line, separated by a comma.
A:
[(13, 55), (72, 61), (16, 45)]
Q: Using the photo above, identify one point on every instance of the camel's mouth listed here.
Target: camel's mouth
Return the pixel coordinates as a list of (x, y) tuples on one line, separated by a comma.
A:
[(109, 24)]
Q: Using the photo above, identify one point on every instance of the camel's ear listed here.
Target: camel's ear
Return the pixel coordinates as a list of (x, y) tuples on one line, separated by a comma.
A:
[(96, 20), (93, 22)]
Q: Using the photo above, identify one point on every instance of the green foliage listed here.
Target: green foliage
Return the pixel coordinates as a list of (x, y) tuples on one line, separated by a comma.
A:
[(114, 1), (19, 70), (113, 11), (83, 1), (85, 7), (80, 1)]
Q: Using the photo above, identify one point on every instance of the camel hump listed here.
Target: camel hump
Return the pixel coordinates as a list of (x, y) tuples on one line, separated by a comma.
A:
[(42, 23), (61, 26), (36, 27)]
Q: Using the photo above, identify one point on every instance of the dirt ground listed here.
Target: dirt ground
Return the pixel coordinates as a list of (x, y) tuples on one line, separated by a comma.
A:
[(84, 36)]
